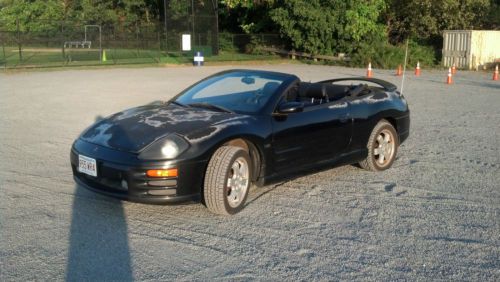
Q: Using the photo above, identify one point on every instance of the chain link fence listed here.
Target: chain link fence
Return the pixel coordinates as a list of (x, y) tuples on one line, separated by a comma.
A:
[(65, 43)]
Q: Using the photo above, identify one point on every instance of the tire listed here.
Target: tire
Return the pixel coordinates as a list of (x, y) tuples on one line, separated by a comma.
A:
[(227, 180), (382, 147)]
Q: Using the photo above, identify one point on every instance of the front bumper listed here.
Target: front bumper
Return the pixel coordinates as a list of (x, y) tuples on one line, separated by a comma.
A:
[(122, 175)]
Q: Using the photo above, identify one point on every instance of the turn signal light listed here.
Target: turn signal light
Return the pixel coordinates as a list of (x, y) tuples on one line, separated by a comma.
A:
[(172, 172)]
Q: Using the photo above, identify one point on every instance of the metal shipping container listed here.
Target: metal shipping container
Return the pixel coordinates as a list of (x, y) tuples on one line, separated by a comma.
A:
[(470, 49)]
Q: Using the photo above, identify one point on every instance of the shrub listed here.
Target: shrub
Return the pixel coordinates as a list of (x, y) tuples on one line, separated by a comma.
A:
[(384, 55), (226, 42)]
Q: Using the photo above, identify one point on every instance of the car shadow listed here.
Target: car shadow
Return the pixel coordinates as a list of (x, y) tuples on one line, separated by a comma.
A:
[(98, 245)]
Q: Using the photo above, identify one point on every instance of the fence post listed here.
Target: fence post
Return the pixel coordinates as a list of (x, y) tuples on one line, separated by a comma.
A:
[(192, 17), (19, 40), (216, 43), (159, 46), (137, 40), (5, 59), (62, 39), (165, 27)]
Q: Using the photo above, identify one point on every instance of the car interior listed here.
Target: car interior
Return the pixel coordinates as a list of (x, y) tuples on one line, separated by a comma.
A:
[(319, 93)]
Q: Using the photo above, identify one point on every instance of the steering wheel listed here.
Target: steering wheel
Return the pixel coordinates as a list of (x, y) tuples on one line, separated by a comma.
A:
[(256, 98)]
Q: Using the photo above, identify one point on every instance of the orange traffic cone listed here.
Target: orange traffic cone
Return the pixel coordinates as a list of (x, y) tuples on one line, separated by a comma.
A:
[(399, 71), (453, 69), (417, 69), (369, 70), (449, 80), (495, 74)]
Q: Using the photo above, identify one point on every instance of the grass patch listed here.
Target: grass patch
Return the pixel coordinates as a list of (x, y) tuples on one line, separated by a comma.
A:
[(33, 57)]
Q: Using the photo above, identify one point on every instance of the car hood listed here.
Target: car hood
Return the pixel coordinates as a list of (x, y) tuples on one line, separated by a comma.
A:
[(136, 128)]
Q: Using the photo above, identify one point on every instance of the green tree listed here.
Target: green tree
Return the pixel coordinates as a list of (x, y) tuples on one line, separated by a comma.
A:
[(426, 19), (178, 9), (493, 18), (36, 15), (95, 11), (326, 27), (33, 15), (246, 16)]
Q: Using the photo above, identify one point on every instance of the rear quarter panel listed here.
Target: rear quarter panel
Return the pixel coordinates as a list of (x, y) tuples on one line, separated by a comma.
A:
[(368, 110)]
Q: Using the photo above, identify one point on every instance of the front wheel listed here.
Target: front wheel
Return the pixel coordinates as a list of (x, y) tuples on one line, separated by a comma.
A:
[(227, 180), (382, 147)]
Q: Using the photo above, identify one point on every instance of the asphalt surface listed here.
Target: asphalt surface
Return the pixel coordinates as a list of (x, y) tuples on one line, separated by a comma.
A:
[(433, 216)]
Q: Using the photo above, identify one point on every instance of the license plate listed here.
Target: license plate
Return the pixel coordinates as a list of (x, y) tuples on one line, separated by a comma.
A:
[(87, 165)]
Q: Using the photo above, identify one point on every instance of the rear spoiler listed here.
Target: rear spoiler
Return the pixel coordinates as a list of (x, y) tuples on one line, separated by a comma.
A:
[(386, 85)]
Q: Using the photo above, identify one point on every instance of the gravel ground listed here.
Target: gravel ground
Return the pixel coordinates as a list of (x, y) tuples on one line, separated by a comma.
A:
[(433, 216)]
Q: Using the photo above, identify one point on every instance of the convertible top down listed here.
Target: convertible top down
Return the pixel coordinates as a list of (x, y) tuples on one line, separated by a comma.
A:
[(235, 128)]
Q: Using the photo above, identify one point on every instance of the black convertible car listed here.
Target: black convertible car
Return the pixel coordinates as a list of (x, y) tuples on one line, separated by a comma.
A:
[(239, 127)]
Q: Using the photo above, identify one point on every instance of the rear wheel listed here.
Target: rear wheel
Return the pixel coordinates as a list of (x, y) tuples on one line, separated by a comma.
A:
[(227, 180), (382, 147)]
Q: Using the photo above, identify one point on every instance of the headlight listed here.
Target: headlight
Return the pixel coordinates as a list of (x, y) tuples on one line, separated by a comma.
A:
[(168, 147)]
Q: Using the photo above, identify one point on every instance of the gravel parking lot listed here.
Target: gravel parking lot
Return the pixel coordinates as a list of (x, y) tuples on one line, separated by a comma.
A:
[(435, 215)]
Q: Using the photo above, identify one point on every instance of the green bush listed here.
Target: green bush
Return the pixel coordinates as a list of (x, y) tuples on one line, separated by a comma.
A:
[(243, 43), (255, 45), (226, 42), (386, 56), (326, 27)]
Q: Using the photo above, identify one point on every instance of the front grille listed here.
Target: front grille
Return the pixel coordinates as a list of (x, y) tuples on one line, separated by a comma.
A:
[(107, 179), (125, 181)]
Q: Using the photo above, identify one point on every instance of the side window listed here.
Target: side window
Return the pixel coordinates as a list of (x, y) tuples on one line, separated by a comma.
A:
[(291, 95)]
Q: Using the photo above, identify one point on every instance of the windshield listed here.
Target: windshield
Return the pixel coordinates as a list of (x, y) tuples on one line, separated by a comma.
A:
[(239, 91)]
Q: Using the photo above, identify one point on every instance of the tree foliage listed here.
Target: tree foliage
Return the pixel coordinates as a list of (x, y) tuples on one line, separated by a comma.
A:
[(44, 15), (316, 26), (426, 19), (320, 26), (246, 16), (32, 15)]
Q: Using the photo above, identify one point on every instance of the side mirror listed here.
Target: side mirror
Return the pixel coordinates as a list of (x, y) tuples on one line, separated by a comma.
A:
[(290, 108)]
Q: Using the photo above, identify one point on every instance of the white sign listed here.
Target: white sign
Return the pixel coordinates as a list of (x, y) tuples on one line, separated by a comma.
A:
[(186, 42)]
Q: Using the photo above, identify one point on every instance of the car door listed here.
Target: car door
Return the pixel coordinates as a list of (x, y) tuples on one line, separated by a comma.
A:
[(319, 133)]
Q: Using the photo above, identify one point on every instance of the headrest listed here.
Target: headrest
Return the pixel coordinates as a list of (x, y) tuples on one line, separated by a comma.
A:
[(303, 86), (316, 90)]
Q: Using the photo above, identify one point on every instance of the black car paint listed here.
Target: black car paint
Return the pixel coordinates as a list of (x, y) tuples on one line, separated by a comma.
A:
[(134, 129), (318, 132), (328, 133)]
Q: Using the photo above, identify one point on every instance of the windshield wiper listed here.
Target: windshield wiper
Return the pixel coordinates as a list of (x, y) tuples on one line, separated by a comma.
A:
[(178, 104), (210, 106)]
